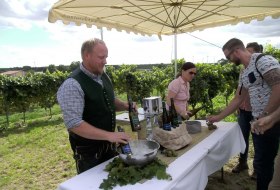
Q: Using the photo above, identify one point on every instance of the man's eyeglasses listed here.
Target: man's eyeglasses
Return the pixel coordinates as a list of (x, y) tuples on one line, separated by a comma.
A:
[(192, 73), (228, 55)]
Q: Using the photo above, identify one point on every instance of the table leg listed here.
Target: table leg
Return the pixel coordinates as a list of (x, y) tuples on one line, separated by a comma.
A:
[(222, 173)]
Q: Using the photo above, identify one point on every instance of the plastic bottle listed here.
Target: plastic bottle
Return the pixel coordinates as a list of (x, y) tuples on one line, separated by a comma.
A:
[(149, 128)]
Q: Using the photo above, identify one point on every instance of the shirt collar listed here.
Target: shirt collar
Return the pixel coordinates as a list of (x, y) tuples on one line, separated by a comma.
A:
[(88, 73), (181, 80)]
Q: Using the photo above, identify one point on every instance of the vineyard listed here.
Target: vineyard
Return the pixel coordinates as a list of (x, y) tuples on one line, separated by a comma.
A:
[(38, 90), (23, 94), (35, 151)]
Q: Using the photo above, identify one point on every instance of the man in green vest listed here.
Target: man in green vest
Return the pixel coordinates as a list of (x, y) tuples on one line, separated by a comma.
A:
[(89, 108)]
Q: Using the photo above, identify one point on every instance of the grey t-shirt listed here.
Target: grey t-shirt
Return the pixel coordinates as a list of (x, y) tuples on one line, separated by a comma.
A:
[(258, 89)]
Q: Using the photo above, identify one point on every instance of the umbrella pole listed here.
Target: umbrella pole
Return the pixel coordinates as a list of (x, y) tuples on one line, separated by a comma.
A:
[(101, 33), (175, 51), (101, 36)]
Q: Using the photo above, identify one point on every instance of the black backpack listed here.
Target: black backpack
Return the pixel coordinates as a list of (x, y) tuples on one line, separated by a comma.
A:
[(259, 56), (257, 59)]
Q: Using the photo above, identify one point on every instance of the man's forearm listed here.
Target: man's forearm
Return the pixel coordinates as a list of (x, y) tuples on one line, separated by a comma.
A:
[(272, 78), (232, 107), (234, 103), (274, 100), (120, 105), (275, 116)]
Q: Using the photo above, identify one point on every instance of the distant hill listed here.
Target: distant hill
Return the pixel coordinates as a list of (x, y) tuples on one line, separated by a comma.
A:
[(67, 67), (25, 68), (145, 66)]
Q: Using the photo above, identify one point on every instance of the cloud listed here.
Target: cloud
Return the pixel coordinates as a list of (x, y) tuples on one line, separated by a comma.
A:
[(15, 23), (12, 56), (139, 38), (260, 29), (63, 42), (22, 14), (24, 9)]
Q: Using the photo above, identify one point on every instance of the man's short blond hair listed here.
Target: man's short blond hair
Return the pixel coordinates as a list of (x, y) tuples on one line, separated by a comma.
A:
[(88, 45)]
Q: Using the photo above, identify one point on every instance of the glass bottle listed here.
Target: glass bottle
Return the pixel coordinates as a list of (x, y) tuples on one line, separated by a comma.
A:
[(173, 114), (124, 147), (165, 119), (133, 115)]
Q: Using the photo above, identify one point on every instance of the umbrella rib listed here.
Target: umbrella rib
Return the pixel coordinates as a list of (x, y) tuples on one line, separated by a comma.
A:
[(206, 14), (187, 17), (210, 5), (131, 14), (144, 19), (146, 11), (177, 18), (168, 15), (163, 23), (135, 15), (173, 14), (65, 3)]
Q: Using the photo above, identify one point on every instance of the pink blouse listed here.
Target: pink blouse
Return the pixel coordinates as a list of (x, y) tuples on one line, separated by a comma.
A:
[(245, 105), (181, 89)]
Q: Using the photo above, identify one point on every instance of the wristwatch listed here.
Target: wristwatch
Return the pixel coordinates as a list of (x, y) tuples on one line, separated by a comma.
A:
[(265, 113)]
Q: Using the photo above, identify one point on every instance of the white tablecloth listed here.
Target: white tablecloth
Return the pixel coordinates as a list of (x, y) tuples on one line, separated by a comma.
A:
[(189, 171)]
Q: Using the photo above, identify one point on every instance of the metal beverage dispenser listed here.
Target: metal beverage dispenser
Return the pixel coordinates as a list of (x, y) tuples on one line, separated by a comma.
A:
[(152, 105)]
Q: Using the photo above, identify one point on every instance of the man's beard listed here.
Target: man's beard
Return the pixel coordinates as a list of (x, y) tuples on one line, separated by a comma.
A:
[(237, 62)]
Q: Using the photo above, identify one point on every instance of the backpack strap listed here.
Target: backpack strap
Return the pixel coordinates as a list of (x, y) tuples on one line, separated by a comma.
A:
[(257, 59), (240, 89)]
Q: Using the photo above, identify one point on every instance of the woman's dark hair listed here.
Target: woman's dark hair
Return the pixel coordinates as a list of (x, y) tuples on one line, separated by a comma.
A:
[(186, 66), (258, 48)]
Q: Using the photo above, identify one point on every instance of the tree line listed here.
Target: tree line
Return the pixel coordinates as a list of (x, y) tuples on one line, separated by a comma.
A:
[(20, 94)]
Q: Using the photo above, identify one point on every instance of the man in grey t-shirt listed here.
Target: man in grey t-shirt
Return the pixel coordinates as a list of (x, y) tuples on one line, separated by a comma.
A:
[(264, 98)]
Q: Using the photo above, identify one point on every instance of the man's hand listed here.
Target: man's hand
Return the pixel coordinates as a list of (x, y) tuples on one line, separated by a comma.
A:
[(261, 125), (185, 115), (134, 106), (214, 118), (118, 137)]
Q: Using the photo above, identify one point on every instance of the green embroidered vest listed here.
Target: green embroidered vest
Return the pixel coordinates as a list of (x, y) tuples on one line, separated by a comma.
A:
[(99, 108)]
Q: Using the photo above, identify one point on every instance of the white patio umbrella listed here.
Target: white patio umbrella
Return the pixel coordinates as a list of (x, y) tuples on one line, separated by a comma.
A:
[(162, 17)]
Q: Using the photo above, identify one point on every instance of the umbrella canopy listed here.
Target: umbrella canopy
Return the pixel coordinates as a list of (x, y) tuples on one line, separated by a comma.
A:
[(162, 17)]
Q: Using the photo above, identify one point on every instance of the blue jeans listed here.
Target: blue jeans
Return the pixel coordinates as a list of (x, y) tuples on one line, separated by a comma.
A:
[(244, 118), (266, 148)]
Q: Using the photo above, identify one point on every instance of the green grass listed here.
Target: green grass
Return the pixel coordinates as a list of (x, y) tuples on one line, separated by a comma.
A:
[(37, 155)]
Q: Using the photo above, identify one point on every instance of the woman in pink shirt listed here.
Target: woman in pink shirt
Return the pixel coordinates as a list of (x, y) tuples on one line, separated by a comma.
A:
[(179, 89)]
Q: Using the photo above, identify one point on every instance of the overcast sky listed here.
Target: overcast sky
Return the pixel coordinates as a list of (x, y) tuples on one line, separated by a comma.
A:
[(28, 39)]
